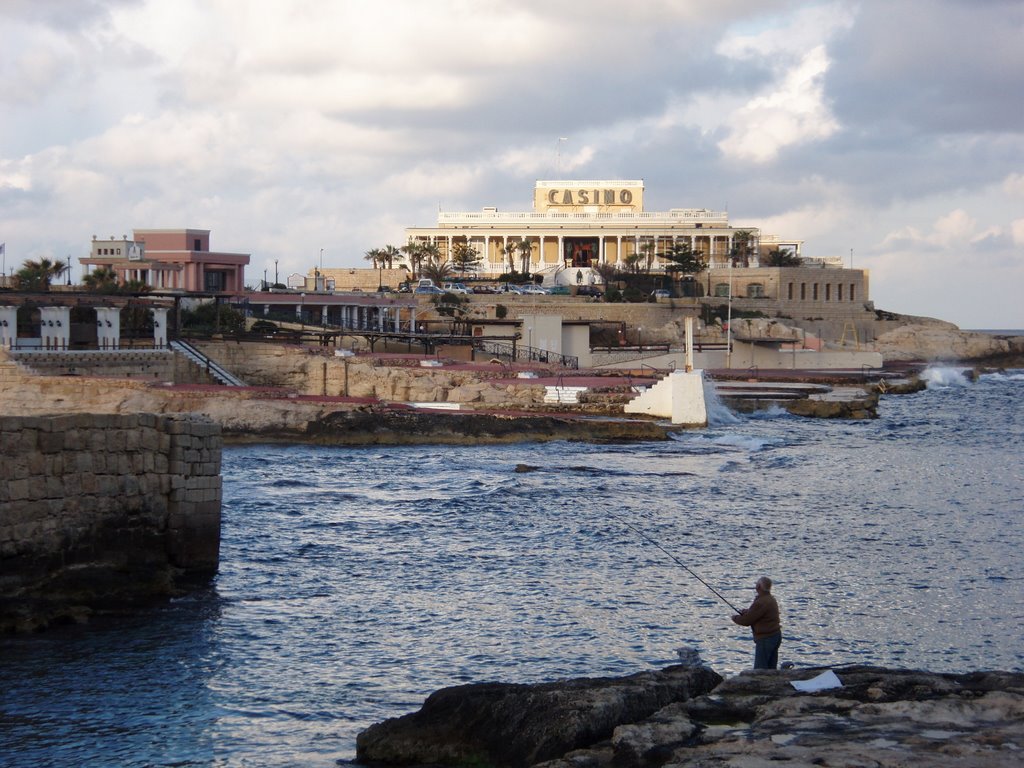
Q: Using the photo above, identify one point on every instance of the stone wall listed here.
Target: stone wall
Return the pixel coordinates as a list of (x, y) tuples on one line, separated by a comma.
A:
[(98, 512)]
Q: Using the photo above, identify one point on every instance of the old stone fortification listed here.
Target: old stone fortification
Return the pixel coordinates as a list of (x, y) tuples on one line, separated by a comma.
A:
[(102, 511), (145, 365)]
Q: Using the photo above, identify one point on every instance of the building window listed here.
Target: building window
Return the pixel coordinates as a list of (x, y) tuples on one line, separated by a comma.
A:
[(197, 244), (721, 289), (814, 292), (839, 292), (789, 294), (213, 281), (803, 291), (851, 292), (755, 291), (828, 291)]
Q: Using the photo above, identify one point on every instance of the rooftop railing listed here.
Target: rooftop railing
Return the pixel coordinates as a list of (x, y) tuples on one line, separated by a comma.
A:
[(681, 215)]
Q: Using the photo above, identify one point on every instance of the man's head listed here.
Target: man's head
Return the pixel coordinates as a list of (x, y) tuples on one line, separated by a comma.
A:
[(763, 586)]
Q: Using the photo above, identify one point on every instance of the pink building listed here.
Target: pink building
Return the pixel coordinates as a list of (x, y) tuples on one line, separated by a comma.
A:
[(170, 260)]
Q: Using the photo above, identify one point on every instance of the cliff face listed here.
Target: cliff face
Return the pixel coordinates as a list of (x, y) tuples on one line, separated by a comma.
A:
[(947, 344)]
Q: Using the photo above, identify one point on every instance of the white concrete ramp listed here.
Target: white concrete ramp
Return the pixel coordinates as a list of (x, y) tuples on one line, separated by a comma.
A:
[(678, 397)]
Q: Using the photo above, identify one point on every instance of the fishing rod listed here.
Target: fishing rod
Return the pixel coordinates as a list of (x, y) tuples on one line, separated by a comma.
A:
[(678, 562)]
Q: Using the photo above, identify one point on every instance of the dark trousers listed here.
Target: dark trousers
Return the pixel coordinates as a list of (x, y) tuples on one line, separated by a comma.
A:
[(766, 651)]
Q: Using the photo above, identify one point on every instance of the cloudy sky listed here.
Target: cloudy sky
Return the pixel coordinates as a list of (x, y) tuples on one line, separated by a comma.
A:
[(886, 131)]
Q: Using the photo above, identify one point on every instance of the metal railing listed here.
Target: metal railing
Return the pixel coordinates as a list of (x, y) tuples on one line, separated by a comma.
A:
[(212, 368), (520, 352)]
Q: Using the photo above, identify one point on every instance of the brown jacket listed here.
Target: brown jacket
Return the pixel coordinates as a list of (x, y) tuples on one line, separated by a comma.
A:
[(762, 617)]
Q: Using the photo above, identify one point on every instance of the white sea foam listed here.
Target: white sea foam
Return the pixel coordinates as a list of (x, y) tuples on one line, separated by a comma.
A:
[(719, 413), (945, 377)]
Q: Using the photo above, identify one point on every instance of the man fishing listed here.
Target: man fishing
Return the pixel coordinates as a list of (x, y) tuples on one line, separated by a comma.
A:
[(763, 619)]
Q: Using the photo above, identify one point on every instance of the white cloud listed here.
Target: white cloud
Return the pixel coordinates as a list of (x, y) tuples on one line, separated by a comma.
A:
[(794, 112)]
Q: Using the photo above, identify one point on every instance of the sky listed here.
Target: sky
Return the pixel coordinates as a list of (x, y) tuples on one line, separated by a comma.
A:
[(889, 133)]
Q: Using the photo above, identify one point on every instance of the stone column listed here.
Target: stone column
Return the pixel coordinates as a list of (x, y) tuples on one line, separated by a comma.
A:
[(108, 327), (55, 327), (8, 327), (160, 326)]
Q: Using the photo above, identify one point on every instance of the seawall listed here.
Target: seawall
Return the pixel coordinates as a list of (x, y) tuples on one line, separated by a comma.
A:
[(104, 512)]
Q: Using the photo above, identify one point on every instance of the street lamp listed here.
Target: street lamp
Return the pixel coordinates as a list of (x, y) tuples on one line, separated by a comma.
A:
[(728, 322), (640, 337)]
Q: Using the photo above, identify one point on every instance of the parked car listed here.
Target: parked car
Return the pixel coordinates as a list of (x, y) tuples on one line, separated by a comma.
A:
[(559, 290), (428, 289), (588, 290), (533, 290), (456, 288), (509, 288), (661, 293), (425, 282)]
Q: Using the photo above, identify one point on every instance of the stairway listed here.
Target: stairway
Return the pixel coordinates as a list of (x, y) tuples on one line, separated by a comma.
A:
[(216, 371)]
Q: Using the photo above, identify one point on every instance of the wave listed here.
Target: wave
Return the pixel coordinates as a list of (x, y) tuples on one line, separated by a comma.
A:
[(945, 376)]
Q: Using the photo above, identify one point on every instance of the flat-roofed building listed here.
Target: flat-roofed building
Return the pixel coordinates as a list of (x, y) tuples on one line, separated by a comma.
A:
[(577, 225), (170, 260)]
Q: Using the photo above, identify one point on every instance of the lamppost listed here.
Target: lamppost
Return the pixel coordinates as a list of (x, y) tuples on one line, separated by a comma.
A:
[(728, 323), (640, 337), (275, 273)]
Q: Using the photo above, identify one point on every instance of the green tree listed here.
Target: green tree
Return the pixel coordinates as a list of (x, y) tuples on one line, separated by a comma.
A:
[(438, 271), (510, 250), (213, 316), (413, 251), (390, 255), (525, 249), (101, 280), (36, 275), (782, 257), (465, 258), (742, 248), (683, 260)]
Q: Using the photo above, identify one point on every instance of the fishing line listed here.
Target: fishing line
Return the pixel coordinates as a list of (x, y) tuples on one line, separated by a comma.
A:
[(678, 562)]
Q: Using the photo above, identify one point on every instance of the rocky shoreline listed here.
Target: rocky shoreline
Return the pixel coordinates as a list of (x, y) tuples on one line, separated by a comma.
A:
[(689, 716)]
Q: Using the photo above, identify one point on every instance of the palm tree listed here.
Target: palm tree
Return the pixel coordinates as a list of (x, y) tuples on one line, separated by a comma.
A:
[(742, 248), (525, 248), (390, 254), (510, 251), (101, 280), (431, 253), (374, 255), (783, 257), (438, 271), (37, 275), (413, 251)]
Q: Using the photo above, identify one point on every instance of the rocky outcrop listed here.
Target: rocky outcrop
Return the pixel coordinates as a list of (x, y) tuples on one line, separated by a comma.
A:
[(502, 724), (938, 343), (389, 426), (885, 718), (839, 403)]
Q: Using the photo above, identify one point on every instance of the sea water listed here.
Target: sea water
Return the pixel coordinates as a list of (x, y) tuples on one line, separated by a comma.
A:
[(355, 581)]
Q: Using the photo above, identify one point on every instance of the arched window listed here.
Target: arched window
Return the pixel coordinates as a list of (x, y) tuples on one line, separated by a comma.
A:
[(721, 289), (755, 291)]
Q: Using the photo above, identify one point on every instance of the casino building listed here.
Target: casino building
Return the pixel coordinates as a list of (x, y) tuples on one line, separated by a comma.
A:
[(577, 225)]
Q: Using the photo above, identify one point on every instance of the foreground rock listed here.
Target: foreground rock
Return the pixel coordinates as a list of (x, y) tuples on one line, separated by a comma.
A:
[(884, 718), (519, 725)]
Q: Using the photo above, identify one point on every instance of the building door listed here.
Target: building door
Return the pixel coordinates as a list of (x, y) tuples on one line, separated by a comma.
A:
[(580, 252)]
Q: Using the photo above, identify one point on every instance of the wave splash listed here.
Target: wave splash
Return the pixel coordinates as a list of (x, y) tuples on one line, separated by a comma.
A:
[(945, 376)]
